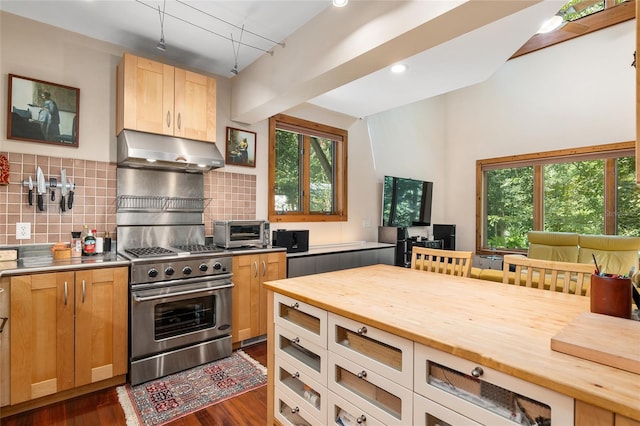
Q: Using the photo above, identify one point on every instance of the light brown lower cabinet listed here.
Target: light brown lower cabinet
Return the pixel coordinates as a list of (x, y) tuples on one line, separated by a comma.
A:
[(590, 415), (249, 305), (68, 329)]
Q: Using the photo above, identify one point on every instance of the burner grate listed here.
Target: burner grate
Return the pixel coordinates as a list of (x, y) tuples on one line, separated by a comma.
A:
[(148, 251), (199, 248)]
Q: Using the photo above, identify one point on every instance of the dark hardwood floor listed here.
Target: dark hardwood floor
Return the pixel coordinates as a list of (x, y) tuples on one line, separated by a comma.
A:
[(103, 409)]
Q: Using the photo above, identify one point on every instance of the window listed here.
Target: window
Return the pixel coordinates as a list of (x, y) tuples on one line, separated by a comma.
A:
[(581, 17), (586, 190), (307, 171)]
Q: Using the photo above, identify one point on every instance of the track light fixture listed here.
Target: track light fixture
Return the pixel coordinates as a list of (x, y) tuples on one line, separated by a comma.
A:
[(161, 46), (340, 3)]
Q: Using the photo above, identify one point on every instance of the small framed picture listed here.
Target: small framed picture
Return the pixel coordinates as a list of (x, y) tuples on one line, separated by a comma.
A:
[(44, 112), (241, 147)]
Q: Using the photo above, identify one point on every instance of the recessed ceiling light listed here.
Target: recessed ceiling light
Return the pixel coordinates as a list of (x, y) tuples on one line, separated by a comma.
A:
[(398, 68), (551, 24), (340, 3)]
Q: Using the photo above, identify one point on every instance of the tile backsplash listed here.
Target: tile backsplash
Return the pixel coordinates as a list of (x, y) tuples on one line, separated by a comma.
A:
[(229, 196)]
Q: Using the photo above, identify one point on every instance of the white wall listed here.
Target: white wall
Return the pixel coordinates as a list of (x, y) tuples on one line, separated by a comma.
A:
[(577, 93)]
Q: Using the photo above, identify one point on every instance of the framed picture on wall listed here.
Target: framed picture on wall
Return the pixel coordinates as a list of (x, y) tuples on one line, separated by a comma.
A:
[(241, 147), (40, 111)]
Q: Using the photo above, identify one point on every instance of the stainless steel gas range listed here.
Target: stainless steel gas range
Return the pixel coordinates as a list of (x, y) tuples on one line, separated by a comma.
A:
[(180, 288)]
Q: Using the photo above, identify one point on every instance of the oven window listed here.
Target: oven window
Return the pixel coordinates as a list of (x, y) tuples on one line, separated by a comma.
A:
[(184, 316), (245, 232)]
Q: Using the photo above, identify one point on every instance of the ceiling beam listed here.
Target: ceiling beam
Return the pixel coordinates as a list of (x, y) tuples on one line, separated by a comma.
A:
[(342, 45)]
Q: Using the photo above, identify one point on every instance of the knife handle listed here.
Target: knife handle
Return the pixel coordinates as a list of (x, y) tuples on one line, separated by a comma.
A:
[(31, 197), (63, 204), (41, 202), (70, 200)]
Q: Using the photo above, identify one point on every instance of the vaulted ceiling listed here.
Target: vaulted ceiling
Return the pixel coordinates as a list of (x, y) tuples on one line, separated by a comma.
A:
[(291, 52)]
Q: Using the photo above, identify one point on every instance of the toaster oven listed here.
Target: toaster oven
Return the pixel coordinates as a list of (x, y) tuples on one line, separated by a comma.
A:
[(238, 233)]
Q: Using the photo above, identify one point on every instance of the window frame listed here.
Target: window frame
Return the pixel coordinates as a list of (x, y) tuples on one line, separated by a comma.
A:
[(606, 152), (340, 185)]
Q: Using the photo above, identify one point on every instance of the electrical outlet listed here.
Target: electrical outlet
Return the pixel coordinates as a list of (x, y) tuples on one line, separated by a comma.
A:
[(23, 230)]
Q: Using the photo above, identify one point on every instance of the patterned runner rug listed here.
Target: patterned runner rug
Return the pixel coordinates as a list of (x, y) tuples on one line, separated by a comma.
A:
[(166, 399)]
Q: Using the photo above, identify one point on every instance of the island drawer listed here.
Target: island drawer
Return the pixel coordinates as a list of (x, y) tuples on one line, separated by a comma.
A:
[(389, 355), (485, 395), (303, 355), (303, 319), (301, 389), (429, 413), (372, 393), (348, 414), (289, 413)]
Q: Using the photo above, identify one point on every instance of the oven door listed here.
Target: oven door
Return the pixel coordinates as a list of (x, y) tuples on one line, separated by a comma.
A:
[(171, 317)]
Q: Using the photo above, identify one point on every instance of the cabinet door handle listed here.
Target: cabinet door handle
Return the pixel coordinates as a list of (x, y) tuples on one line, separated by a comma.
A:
[(66, 292), (168, 119), (264, 268), (255, 267), (477, 372), (179, 121), (83, 290), (4, 321)]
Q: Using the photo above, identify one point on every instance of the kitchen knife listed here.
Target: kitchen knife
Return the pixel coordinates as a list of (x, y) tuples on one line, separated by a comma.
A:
[(53, 184), (63, 190), (41, 189), (70, 200), (30, 191)]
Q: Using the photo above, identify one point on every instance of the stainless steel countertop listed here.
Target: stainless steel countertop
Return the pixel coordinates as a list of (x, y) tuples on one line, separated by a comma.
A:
[(36, 264)]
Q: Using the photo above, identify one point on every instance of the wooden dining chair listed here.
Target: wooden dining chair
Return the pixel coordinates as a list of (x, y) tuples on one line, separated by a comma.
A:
[(448, 262), (565, 277)]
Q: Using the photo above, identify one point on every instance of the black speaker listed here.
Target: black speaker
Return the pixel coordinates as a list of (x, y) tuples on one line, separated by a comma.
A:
[(446, 233)]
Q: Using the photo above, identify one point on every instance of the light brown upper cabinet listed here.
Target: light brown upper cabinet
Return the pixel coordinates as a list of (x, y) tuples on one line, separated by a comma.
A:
[(158, 98)]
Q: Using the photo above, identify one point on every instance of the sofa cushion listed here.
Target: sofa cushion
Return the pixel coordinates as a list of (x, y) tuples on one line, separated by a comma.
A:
[(614, 254), (557, 246)]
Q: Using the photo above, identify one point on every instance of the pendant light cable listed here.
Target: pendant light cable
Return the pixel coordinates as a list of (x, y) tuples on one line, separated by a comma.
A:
[(161, 45)]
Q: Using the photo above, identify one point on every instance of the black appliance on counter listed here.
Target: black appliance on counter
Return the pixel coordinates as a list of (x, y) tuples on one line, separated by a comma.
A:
[(446, 233), (293, 241)]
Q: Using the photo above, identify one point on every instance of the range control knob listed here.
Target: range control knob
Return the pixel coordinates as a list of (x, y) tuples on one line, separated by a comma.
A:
[(217, 266), (169, 270), (186, 270), (203, 267), (153, 272)]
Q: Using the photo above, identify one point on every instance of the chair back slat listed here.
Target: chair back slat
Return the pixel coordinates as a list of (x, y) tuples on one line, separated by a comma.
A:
[(566, 277), (450, 262)]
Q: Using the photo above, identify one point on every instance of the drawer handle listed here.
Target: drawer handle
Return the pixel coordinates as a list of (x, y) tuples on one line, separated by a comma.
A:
[(361, 419), (295, 375), (362, 374), (477, 372), (296, 340), (295, 410), (295, 305), (362, 330)]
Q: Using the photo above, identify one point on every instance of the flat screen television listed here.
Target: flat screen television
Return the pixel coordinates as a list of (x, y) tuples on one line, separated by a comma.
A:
[(406, 202)]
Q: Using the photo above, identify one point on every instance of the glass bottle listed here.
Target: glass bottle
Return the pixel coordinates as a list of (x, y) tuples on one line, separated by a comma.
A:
[(89, 246)]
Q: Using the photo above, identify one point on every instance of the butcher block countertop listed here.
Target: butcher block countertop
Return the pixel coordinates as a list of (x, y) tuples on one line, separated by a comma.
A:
[(501, 326)]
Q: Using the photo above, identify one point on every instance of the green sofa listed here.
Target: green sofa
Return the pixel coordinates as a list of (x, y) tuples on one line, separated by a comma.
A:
[(614, 254)]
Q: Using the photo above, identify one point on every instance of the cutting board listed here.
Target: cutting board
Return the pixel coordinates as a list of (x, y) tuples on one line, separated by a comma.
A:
[(603, 339)]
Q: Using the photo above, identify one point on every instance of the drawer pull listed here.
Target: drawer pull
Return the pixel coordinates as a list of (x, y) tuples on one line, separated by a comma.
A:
[(295, 305), (295, 375), (362, 330), (362, 374), (477, 372), (296, 340), (295, 410), (361, 419)]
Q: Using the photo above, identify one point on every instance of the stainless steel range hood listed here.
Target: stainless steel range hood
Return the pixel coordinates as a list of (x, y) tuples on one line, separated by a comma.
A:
[(148, 150)]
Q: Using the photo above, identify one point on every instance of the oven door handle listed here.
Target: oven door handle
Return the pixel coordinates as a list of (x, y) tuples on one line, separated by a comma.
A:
[(180, 293)]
